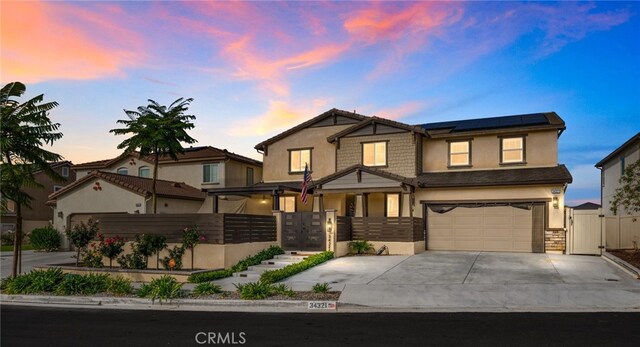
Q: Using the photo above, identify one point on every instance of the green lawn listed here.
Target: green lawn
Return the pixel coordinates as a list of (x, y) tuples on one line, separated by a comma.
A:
[(8, 248)]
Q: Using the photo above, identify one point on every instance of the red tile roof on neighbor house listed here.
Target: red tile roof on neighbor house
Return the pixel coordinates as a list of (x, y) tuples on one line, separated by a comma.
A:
[(138, 185), (191, 154)]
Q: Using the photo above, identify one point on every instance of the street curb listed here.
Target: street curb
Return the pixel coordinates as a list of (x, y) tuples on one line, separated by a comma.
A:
[(176, 304), (632, 270)]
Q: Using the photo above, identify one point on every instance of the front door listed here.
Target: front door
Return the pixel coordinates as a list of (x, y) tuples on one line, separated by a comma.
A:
[(303, 231)]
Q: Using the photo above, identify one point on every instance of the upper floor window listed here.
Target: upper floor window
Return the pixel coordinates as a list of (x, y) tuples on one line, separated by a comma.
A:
[(288, 203), (393, 205), (460, 153), (622, 165), (249, 176), (298, 158), (144, 171), (65, 171), (56, 188), (512, 150), (123, 171), (374, 154), (210, 173)]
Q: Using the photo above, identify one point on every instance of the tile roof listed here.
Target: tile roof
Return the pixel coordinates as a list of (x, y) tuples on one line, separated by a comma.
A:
[(622, 148), (503, 177), (190, 154), (139, 185), (331, 112), (546, 119)]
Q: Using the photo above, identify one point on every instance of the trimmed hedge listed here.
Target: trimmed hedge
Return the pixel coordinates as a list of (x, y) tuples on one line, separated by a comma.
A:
[(242, 265), (273, 276), (54, 281)]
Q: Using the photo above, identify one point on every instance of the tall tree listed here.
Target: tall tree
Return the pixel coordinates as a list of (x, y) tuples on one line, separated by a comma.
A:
[(157, 131), (627, 195), (24, 129)]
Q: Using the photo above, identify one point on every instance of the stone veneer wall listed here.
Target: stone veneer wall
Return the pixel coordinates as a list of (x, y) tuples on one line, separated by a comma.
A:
[(554, 240), (401, 152)]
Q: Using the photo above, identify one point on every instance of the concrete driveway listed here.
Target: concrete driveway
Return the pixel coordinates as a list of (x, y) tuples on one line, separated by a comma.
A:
[(462, 281), (31, 259)]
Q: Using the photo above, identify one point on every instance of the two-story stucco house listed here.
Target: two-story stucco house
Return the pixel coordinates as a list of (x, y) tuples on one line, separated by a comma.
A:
[(491, 184), (39, 214), (623, 228), (123, 185)]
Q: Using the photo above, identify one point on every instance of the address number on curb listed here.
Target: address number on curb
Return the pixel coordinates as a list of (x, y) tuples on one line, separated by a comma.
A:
[(322, 305)]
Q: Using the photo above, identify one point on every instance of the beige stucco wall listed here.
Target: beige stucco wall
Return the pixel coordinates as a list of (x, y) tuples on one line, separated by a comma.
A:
[(191, 174), (541, 150), (404, 248), (401, 150), (236, 174), (376, 204), (555, 216), (276, 162), (84, 199), (125, 162), (168, 205)]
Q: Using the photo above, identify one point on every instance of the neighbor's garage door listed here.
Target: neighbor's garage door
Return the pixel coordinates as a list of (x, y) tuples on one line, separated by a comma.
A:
[(499, 228)]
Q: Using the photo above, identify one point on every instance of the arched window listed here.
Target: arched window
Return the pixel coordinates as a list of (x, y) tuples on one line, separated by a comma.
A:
[(123, 171), (144, 171)]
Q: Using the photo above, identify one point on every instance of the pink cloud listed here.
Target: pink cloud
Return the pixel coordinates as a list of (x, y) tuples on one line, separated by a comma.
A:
[(45, 40), (400, 111)]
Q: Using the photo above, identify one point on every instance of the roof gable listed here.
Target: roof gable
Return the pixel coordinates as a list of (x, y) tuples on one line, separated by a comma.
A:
[(634, 139), (138, 185), (332, 117), (375, 126), (362, 176)]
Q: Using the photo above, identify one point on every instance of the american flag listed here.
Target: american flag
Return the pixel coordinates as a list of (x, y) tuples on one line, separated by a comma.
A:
[(305, 184)]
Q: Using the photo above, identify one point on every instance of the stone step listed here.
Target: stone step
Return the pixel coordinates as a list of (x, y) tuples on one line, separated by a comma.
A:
[(248, 274), (263, 268), (303, 253), (291, 256), (283, 262)]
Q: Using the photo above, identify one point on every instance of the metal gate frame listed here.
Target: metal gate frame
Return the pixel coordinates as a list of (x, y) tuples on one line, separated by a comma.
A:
[(303, 231)]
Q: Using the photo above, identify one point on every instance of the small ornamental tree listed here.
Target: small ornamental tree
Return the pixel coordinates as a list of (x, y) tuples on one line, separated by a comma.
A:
[(628, 194), (81, 234), (111, 247), (158, 243), (190, 239)]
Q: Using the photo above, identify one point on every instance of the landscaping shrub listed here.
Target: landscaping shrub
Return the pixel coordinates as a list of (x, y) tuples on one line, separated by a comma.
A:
[(91, 257), (206, 288), (163, 288), (111, 247), (321, 287), (360, 247), (290, 270), (156, 243), (190, 239), (119, 286), (174, 260), (7, 238), (242, 265), (89, 284), (283, 289), (81, 234), (45, 239), (36, 281), (132, 261), (255, 290)]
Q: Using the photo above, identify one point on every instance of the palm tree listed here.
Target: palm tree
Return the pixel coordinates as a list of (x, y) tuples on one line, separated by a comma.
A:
[(157, 131), (24, 129)]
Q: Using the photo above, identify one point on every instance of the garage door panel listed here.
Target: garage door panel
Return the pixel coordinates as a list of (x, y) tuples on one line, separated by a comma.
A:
[(502, 228)]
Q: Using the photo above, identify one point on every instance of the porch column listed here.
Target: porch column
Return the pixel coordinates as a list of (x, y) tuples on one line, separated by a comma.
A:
[(215, 203), (359, 206), (331, 230), (275, 197), (406, 208), (278, 215), (318, 205)]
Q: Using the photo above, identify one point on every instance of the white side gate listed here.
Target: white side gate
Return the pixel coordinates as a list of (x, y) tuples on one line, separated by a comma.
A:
[(585, 231)]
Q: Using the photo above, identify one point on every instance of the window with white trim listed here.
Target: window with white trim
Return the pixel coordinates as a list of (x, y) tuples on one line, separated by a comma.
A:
[(374, 154), (288, 203), (512, 150), (460, 153), (249, 176), (123, 171), (210, 173), (298, 158), (64, 172), (144, 171)]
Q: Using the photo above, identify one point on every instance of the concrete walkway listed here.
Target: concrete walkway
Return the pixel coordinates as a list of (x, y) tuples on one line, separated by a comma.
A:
[(478, 281), (30, 259)]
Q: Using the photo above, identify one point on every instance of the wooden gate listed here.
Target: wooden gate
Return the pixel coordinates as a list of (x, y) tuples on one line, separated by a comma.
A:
[(303, 231), (585, 227)]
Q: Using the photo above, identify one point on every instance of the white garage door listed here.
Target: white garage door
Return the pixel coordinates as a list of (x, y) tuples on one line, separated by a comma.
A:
[(501, 228)]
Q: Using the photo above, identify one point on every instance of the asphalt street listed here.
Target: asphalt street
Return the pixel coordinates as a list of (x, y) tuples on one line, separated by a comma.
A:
[(47, 326)]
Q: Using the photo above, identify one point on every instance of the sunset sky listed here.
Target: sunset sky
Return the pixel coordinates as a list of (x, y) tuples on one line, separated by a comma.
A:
[(255, 69)]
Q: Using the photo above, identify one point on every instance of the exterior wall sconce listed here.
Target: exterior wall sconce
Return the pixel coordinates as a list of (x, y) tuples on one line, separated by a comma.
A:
[(329, 225), (556, 203), (60, 214), (264, 200)]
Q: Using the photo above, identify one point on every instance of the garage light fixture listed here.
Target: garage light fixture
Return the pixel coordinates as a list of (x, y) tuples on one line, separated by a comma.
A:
[(556, 203)]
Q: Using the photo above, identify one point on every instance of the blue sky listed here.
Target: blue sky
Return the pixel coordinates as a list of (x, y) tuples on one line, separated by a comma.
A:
[(258, 68)]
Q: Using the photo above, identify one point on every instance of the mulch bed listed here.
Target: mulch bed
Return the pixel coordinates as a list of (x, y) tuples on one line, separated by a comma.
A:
[(629, 255)]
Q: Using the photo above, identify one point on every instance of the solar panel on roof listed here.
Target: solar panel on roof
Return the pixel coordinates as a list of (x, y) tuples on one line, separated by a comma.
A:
[(490, 123)]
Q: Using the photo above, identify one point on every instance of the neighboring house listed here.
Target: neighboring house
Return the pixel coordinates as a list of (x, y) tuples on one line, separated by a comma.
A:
[(623, 228), (587, 206), (491, 184), (39, 215)]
